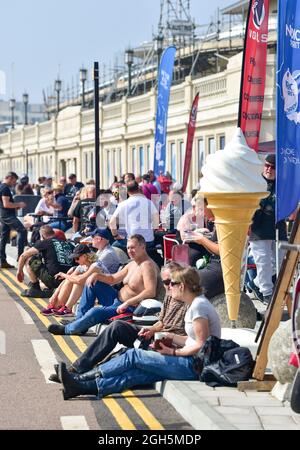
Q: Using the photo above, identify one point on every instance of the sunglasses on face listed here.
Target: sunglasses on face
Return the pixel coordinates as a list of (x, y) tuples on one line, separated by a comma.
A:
[(269, 166), (174, 283), (166, 282)]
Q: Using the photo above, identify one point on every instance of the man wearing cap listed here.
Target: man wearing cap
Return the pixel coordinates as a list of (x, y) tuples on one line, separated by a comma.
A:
[(73, 186), (8, 218), (105, 253), (263, 235), (23, 187), (43, 261)]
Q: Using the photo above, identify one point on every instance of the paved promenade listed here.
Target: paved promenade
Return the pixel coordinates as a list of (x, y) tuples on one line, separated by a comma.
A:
[(221, 408)]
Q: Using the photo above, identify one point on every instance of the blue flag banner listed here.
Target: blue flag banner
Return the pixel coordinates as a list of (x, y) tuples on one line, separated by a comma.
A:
[(163, 94), (288, 109)]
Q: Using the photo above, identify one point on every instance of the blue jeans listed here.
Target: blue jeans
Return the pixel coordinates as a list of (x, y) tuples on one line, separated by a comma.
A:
[(12, 223), (61, 225), (139, 367), (87, 314)]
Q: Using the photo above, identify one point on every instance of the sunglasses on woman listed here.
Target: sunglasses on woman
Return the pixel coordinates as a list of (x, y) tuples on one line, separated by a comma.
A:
[(174, 283)]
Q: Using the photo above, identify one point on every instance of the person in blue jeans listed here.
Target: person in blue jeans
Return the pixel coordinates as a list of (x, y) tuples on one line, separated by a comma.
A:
[(140, 367), (141, 280)]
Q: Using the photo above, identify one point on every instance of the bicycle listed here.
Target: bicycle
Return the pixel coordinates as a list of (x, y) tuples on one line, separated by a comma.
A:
[(295, 391)]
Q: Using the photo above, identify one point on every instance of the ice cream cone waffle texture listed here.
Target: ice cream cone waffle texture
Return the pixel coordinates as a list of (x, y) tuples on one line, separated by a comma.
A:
[(233, 186), (233, 214)]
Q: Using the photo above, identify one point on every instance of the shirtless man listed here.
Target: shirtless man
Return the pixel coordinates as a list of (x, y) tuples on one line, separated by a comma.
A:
[(140, 279)]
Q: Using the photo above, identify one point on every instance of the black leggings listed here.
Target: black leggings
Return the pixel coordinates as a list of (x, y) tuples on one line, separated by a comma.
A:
[(211, 278)]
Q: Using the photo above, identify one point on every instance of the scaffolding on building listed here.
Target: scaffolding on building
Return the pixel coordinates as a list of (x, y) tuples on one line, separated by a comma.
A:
[(201, 50)]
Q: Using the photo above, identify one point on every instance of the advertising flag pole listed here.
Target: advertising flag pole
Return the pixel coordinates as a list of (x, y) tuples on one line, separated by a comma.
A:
[(243, 67)]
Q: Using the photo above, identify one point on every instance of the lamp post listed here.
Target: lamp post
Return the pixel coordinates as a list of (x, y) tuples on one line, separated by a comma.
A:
[(25, 101), (26, 160), (83, 78), (158, 46), (12, 105), (57, 88), (129, 61)]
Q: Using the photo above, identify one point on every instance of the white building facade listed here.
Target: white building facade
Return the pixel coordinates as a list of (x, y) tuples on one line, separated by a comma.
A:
[(65, 144)]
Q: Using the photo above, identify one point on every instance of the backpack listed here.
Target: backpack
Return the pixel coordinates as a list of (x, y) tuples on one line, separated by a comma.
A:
[(235, 365)]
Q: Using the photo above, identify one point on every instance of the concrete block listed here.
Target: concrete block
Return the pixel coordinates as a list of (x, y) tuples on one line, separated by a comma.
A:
[(254, 401), (281, 427), (243, 419), (281, 391), (277, 420), (242, 426), (235, 410), (279, 353), (194, 409), (273, 411)]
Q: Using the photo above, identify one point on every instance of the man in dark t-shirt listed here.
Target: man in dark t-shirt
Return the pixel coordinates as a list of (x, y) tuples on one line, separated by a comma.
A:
[(73, 186), (8, 218), (43, 261)]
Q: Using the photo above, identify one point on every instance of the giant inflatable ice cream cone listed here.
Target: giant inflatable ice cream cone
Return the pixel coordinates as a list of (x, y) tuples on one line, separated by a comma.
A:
[(233, 186)]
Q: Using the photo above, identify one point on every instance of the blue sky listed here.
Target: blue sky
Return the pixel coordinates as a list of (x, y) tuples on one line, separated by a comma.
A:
[(41, 37)]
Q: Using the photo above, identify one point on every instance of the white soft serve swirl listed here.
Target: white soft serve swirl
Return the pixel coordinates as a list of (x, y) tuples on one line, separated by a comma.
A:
[(237, 168)]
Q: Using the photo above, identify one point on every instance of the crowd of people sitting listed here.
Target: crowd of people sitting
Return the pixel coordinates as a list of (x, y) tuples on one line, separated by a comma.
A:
[(110, 264)]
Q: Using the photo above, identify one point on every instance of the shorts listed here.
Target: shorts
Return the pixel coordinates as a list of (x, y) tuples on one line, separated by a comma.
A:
[(40, 271)]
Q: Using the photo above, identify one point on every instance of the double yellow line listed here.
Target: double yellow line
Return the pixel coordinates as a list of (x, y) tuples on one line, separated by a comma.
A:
[(120, 416)]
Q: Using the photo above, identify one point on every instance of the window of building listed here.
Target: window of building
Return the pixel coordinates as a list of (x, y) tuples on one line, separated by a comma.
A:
[(142, 169), (149, 158), (211, 145), (86, 165), (91, 165), (120, 172), (173, 160), (181, 160), (134, 158), (201, 154), (221, 142), (108, 167)]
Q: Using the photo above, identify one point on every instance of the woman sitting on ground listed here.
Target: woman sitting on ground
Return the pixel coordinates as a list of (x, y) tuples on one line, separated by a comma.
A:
[(69, 291), (141, 367)]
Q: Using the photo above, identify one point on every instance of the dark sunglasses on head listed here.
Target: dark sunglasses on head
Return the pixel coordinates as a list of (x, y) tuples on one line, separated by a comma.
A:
[(166, 282), (174, 283), (269, 166)]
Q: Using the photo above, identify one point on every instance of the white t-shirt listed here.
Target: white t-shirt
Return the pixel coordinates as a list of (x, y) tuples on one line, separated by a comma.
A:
[(201, 308), (136, 215), (41, 206)]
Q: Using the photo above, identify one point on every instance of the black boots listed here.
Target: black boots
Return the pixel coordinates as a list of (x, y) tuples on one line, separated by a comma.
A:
[(56, 328), (90, 375), (73, 387)]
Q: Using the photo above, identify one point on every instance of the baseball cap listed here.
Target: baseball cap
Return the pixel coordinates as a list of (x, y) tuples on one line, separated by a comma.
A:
[(271, 159), (102, 232), (24, 178), (79, 250)]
